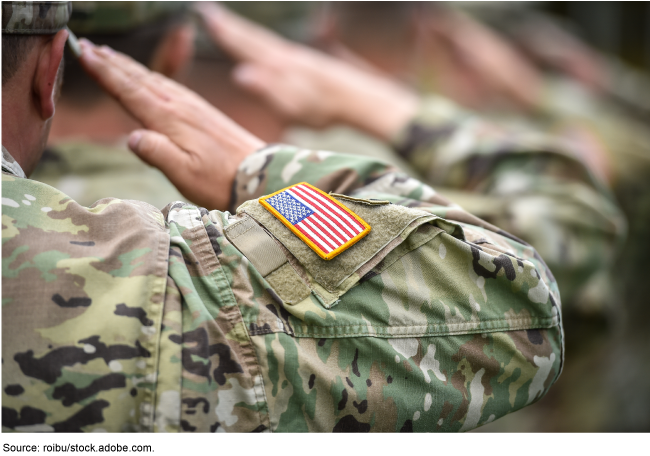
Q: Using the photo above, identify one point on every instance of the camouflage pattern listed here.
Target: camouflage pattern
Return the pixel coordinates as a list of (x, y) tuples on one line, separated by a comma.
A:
[(145, 320), (533, 185), (607, 331), (87, 172), (35, 18)]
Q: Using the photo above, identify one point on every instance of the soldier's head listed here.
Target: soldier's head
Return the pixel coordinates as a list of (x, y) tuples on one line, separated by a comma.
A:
[(156, 34), (33, 41)]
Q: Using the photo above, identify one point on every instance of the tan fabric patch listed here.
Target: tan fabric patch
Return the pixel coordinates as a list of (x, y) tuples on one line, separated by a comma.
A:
[(251, 240)]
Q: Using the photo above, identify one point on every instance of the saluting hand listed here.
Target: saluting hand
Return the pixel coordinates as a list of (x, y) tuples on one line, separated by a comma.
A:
[(306, 85), (197, 147)]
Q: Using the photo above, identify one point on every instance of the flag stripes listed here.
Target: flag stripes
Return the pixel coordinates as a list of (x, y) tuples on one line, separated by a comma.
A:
[(321, 220)]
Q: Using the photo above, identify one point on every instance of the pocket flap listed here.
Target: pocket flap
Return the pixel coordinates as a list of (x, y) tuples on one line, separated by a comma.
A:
[(390, 224)]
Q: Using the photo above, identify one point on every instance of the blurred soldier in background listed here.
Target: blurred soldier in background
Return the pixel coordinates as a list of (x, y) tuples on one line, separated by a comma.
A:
[(87, 156), (595, 97), (512, 179), (548, 79), (493, 187)]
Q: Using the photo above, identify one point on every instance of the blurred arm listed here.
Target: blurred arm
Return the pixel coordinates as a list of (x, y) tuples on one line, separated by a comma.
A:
[(529, 184)]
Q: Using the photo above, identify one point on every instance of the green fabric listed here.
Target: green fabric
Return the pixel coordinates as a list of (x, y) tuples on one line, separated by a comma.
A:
[(136, 319), (386, 222), (35, 18), (288, 285), (88, 172)]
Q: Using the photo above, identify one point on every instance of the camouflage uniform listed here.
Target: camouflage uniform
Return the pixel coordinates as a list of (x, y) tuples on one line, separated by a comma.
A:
[(149, 320), (88, 171), (608, 333), (533, 185), (121, 317)]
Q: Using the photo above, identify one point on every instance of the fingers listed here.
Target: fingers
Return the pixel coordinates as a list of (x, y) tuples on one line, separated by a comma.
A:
[(254, 78), (159, 151), (143, 93), (345, 54)]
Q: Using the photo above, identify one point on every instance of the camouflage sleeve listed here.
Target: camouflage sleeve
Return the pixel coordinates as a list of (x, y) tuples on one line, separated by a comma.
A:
[(142, 321), (532, 185), (425, 325)]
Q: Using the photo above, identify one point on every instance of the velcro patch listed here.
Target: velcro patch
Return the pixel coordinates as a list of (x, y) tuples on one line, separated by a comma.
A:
[(323, 223)]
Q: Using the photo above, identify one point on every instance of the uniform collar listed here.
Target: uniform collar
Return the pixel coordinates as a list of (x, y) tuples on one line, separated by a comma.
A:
[(10, 165)]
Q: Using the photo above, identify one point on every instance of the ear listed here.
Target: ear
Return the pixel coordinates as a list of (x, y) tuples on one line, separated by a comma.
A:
[(174, 52), (48, 64)]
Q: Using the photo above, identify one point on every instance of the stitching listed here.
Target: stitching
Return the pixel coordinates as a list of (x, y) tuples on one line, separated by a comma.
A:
[(423, 334), (421, 330), (312, 245), (513, 320), (230, 228), (159, 308), (222, 278)]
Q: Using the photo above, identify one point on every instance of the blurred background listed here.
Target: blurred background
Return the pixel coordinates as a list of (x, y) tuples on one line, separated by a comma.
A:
[(555, 66)]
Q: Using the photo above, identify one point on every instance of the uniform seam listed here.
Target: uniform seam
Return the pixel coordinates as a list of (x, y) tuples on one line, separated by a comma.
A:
[(160, 290), (508, 320), (371, 332), (153, 343), (222, 278)]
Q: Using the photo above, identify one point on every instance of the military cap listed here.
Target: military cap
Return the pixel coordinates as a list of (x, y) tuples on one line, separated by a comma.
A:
[(35, 18)]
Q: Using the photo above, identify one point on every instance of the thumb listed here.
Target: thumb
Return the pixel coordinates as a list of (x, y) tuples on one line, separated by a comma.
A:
[(159, 151)]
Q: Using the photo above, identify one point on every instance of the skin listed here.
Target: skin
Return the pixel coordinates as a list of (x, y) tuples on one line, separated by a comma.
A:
[(474, 66), (313, 88), (28, 101), (105, 120), (197, 147), (306, 85)]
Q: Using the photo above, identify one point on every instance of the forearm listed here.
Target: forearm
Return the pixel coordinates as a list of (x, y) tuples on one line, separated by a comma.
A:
[(529, 184)]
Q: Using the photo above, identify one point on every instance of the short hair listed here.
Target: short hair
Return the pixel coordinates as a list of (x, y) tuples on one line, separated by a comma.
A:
[(14, 50), (139, 44)]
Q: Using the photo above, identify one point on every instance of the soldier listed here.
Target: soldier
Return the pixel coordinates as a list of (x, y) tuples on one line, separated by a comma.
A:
[(121, 317), (534, 185), (514, 182)]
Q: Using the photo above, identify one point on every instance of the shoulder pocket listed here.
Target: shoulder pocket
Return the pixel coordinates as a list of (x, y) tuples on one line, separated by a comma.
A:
[(329, 279)]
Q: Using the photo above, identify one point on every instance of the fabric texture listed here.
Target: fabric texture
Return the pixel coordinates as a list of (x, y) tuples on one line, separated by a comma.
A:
[(533, 185), (35, 18), (120, 317)]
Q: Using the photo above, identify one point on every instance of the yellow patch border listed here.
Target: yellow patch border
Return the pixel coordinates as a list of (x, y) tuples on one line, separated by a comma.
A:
[(314, 247)]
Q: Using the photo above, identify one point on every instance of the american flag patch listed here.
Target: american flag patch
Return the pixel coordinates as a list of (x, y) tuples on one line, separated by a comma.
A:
[(319, 220)]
